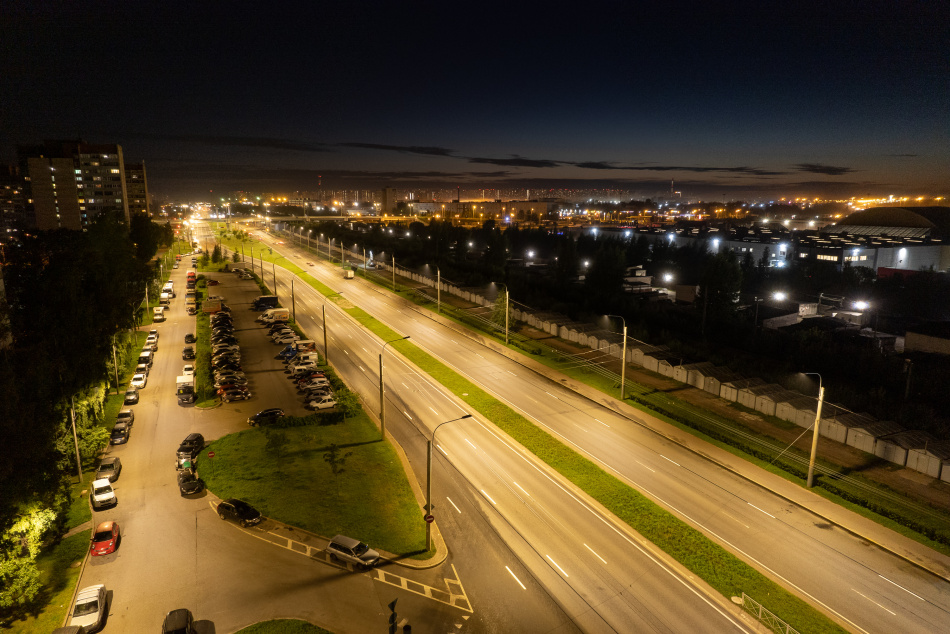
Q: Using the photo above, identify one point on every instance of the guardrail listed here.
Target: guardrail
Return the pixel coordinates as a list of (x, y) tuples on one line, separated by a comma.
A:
[(765, 617)]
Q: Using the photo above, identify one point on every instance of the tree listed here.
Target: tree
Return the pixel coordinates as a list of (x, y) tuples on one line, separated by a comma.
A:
[(216, 253), (335, 459)]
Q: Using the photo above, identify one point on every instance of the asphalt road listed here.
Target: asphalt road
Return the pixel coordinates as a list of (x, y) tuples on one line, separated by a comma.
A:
[(868, 589)]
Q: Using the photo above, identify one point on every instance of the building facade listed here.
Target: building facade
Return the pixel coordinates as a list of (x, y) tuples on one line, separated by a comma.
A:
[(136, 187)]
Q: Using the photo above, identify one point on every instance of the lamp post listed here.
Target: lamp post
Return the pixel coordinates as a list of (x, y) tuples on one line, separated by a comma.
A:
[(293, 300), (623, 357), (428, 508), (326, 348), (394, 272), (438, 289), (309, 231), (382, 402), (814, 440)]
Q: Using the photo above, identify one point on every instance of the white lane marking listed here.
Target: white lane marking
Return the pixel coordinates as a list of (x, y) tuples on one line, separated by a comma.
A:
[(479, 356), (346, 352), (673, 461), (758, 509), (362, 369), (602, 422), (433, 411), (522, 488), (595, 554), (451, 502), (442, 450), (644, 466), (551, 395), (556, 566), (511, 373), (405, 386), (488, 496), (874, 602), (472, 444), (516, 578), (407, 414), (901, 587), (365, 350), (584, 429), (454, 341), (733, 518)]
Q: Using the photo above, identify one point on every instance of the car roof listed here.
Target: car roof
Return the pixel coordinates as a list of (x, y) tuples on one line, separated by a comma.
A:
[(120, 426), (343, 540), (177, 619), (102, 482), (90, 592), (108, 460), (105, 526), (193, 437)]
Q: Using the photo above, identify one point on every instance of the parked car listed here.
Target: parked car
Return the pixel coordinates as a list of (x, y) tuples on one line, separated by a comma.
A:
[(109, 469), (239, 511), (228, 365), (120, 434), (126, 416), (190, 338), (327, 402), (131, 396), (142, 368), (192, 445), (352, 550), (212, 282), (101, 495), (151, 342), (286, 338), (315, 381), (105, 539), (153, 333), (235, 395), (138, 381), (188, 482), (266, 416), (230, 387), (227, 380), (188, 352), (188, 370), (90, 609), (179, 622)]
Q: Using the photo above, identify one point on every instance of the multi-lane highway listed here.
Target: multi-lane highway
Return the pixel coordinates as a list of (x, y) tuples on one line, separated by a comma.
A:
[(866, 588)]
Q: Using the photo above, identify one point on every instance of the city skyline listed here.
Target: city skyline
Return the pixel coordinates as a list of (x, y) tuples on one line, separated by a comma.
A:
[(731, 100)]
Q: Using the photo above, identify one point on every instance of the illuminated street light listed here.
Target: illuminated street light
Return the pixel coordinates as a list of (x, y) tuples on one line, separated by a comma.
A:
[(428, 507), (862, 305)]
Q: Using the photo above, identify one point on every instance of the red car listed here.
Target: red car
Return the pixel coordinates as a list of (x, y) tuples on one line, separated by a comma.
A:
[(212, 282), (230, 388), (106, 539), (309, 376)]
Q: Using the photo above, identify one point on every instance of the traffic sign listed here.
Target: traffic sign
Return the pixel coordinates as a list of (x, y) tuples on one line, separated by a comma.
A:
[(211, 454), (429, 518)]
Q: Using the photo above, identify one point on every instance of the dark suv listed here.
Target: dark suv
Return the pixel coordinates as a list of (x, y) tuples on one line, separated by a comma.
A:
[(192, 445), (266, 417), (239, 511), (179, 622)]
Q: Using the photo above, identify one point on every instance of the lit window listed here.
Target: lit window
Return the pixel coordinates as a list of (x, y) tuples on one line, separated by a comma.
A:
[(114, 171)]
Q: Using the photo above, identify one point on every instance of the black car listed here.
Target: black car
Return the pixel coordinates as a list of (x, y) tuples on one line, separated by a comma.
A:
[(132, 396), (120, 434), (229, 366), (239, 511), (190, 338), (265, 416), (188, 352), (179, 622), (188, 482), (191, 445)]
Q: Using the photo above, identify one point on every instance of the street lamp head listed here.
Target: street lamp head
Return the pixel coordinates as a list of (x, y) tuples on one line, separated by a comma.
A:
[(780, 296)]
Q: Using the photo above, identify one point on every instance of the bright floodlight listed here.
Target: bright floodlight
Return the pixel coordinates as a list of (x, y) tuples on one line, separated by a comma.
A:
[(861, 305), (668, 277), (780, 296)]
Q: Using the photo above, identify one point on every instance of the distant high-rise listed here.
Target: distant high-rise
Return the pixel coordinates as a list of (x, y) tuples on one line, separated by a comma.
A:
[(69, 183), (388, 198), (13, 218)]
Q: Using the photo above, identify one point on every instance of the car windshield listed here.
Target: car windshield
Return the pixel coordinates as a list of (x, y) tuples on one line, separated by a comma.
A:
[(88, 607), (102, 536), (107, 467), (104, 490)]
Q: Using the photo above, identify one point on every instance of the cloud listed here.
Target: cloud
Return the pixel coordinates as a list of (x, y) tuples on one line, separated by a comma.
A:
[(409, 149), (818, 168), (237, 141), (902, 155), (606, 165), (515, 161), (601, 165)]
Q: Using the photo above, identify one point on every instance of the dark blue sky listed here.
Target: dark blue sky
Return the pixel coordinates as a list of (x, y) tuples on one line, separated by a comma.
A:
[(736, 99)]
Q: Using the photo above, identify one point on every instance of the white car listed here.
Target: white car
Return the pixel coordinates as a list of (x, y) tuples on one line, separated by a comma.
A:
[(153, 333), (89, 612), (102, 494), (286, 338), (323, 403), (188, 370), (138, 381), (225, 347), (151, 342)]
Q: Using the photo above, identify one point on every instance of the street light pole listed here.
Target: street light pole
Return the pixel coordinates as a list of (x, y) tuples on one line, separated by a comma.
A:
[(428, 508), (623, 357), (438, 289), (326, 348), (293, 300), (814, 440), (382, 402), (394, 272), (506, 311)]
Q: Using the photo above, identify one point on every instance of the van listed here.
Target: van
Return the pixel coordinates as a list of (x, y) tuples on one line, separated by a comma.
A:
[(307, 358), (274, 315), (265, 301), (146, 357), (158, 313), (164, 299)]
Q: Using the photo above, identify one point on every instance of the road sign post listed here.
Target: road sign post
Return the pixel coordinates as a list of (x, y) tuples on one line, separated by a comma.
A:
[(211, 455)]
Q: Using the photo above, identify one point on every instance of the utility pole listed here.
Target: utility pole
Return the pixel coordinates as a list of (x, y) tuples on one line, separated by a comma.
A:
[(428, 508), (814, 440), (382, 392)]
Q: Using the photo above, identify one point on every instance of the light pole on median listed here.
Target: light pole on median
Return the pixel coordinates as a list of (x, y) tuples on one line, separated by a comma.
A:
[(814, 440), (382, 390), (623, 356), (428, 508), (438, 289), (326, 348), (506, 309), (309, 231)]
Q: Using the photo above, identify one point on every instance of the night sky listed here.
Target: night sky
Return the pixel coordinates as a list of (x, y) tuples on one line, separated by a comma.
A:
[(736, 99)]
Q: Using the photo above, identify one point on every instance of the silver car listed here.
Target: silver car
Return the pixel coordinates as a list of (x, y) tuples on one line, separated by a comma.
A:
[(89, 612), (352, 550)]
